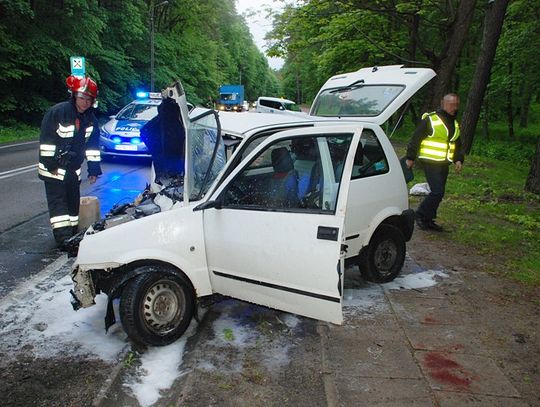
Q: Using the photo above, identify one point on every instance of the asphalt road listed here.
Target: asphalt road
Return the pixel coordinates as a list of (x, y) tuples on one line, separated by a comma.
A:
[(26, 242)]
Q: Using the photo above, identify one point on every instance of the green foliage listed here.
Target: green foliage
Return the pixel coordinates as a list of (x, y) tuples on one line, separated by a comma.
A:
[(205, 44), (17, 132)]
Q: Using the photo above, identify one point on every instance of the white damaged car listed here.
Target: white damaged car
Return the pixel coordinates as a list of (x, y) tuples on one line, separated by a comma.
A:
[(273, 225)]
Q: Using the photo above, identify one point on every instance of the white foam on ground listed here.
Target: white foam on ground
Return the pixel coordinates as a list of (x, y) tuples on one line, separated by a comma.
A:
[(37, 317), (160, 367), (44, 324)]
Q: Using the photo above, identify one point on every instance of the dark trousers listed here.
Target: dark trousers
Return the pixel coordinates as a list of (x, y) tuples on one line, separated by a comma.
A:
[(436, 175), (63, 200)]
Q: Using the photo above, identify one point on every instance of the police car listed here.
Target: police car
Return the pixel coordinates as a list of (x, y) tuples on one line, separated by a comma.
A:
[(120, 136)]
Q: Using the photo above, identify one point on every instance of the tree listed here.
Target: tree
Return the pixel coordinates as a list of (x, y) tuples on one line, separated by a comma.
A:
[(493, 23)]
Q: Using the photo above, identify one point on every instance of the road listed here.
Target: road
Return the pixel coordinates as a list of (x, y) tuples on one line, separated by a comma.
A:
[(25, 234)]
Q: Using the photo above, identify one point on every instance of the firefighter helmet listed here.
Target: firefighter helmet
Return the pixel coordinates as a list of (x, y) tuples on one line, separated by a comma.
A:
[(82, 86)]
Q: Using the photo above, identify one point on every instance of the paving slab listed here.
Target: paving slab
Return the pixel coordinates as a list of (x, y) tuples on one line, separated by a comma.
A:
[(447, 338), (448, 399), (377, 392), (429, 311), (369, 358), (464, 373), (380, 329)]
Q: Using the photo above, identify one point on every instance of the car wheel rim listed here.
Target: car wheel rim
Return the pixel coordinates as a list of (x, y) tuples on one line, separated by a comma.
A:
[(163, 306), (385, 256)]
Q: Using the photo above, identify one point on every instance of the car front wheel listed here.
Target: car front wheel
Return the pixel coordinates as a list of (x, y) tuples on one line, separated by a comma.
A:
[(382, 260), (156, 308)]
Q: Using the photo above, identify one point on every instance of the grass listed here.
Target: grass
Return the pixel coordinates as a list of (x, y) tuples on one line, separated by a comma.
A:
[(18, 132)]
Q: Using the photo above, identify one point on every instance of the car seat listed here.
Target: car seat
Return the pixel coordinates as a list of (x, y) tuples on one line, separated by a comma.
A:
[(283, 187), (306, 157)]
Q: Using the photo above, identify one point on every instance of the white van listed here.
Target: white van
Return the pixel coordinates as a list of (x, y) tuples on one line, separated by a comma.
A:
[(274, 225), (266, 104)]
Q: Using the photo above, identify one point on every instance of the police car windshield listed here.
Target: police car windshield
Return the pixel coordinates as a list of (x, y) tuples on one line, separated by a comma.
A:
[(137, 112)]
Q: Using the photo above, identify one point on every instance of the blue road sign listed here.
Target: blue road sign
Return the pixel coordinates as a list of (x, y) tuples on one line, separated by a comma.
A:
[(77, 66)]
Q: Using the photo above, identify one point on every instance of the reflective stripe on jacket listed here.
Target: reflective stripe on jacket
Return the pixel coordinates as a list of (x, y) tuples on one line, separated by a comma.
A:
[(437, 146), (66, 139)]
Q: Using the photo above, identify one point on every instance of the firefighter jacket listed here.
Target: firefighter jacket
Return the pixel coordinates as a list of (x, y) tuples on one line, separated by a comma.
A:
[(67, 138), (436, 139)]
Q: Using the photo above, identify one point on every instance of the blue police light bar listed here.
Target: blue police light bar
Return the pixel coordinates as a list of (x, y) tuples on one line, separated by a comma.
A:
[(142, 95)]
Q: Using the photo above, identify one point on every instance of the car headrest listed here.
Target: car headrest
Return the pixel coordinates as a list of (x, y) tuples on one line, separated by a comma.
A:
[(281, 160)]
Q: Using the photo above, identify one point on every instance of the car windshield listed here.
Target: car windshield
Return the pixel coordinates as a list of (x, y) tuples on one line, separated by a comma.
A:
[(207, 154), (356, 100), (293, 107), (136, 111)]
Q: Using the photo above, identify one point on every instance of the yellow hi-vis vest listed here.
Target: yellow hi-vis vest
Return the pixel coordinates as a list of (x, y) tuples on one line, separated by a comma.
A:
[(437, 146)]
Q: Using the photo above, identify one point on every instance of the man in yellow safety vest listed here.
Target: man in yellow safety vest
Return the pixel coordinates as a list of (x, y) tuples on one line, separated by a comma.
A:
[(436, 143)]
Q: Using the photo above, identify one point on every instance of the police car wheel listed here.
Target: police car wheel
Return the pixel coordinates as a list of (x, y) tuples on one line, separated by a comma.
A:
[(156, 308), (382, 260)]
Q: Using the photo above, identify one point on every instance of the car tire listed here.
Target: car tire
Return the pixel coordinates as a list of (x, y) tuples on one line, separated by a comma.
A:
[(382, 260), (156, 307)]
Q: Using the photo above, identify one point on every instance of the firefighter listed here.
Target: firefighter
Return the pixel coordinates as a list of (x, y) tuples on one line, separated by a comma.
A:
[(69, 134), (437, 144)]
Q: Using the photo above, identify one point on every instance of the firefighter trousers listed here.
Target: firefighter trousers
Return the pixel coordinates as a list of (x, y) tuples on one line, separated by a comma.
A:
[(63, 200)]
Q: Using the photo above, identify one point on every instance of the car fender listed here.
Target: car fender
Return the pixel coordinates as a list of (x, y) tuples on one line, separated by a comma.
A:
[(387, 215), (174, 237)]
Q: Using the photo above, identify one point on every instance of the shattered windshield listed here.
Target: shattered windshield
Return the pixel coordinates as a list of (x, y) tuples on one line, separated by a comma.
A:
[(207, 154), (356, 101)]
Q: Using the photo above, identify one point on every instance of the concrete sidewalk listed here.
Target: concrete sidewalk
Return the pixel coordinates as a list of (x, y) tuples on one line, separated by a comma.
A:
[(422, 349)]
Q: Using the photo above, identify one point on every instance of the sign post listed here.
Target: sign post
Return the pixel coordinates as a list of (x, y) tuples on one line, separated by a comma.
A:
[(77, 66)]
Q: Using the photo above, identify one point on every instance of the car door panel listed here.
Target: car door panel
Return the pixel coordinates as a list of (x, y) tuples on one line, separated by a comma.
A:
[(288, 258)]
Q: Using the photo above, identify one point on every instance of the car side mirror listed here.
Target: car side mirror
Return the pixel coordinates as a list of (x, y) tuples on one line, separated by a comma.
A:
[(113, 116), (207, 205)]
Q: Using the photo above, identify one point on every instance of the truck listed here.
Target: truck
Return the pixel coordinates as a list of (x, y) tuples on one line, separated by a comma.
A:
[(231, 98)]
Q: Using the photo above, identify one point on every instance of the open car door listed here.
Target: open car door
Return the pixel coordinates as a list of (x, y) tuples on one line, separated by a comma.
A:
[(274, 228)]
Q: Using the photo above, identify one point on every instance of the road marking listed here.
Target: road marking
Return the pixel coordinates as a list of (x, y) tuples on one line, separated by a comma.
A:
[(17, 171), (18, 144)]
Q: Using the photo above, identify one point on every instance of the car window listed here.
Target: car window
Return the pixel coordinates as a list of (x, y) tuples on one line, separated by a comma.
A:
[(137, 111), (361, 100), (369, 159), (301, 173)]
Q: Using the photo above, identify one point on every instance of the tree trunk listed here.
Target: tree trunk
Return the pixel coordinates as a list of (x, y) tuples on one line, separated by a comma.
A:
[(453, 47), (493, 22), (533, 180)]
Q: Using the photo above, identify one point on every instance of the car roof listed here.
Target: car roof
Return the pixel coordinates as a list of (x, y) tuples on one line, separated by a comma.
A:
[(274, 99), (240, 123)]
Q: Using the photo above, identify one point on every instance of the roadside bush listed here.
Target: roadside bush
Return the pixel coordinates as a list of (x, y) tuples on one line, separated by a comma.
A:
[(13, 131)]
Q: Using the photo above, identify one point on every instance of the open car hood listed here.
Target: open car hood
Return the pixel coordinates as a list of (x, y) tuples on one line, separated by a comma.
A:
[(369, 94)]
